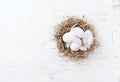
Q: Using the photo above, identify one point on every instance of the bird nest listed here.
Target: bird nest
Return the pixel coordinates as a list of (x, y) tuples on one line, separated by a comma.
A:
[(65, 27)]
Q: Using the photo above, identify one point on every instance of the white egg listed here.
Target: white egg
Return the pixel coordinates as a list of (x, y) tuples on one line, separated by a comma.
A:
[(89, 38), (78, 32), (75, 46), (68, 37), (83, 48)]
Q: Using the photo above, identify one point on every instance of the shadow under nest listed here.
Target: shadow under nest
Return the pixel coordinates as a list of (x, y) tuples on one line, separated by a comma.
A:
[(66, 26)]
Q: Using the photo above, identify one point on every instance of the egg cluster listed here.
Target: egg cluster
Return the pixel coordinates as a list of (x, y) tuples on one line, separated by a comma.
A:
[(77, 39)]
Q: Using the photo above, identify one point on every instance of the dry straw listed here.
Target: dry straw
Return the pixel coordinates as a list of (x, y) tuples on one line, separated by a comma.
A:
[(66, 26)]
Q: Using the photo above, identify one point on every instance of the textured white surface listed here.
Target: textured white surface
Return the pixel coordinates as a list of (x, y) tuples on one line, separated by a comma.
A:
[(28, 54)]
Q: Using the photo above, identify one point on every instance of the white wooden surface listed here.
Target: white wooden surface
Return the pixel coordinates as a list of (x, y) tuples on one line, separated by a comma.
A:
[(27, 51)]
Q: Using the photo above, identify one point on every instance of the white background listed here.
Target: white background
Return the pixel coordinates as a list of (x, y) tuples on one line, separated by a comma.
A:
[(28, 53)]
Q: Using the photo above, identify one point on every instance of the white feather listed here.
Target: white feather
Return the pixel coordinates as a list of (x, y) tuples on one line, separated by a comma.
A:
[(87, 40)]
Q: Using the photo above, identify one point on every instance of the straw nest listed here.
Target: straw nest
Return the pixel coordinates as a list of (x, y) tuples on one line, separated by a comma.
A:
[(66, 26)]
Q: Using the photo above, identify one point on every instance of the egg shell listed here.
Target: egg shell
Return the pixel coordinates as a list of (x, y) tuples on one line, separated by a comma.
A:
[(68, 37), (75, 45), (83, 48), (89, 38), (78, 32)]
